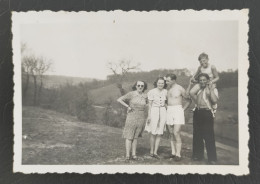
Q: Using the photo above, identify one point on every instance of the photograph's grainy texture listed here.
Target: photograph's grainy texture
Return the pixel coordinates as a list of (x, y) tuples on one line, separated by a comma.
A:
[(119, 91)]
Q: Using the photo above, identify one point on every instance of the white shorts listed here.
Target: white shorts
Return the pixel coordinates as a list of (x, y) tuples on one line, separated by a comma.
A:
[(175, 115)]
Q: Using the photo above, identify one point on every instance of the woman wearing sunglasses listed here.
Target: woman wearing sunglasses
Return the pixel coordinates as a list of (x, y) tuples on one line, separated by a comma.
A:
[(156, 119), (135, 119)]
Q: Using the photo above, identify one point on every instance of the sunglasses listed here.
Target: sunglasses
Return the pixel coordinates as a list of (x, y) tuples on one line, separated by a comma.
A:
[(140, 86)]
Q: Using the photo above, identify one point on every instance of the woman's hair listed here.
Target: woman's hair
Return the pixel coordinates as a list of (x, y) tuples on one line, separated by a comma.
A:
[(156, 81), (203, 75), (134, 86), (203, 55)]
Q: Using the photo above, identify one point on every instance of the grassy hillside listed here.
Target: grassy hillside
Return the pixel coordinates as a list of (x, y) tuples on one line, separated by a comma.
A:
[(58, 139), (228, 96), (101, 95)]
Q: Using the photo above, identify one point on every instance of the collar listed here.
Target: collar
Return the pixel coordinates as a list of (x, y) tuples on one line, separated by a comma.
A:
[(138, 94)]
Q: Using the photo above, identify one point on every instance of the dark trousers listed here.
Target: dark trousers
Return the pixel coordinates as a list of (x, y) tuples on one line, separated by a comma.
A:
[(203, 130)]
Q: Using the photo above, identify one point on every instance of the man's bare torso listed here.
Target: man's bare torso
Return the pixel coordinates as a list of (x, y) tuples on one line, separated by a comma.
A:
[(174, 95)]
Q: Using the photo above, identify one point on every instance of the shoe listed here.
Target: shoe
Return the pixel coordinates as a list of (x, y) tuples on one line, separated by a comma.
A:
[(151, 155), (156, 156), (134, 157), (211, 162), (177, 159), (172, 156), (127, 159), (197, 159)]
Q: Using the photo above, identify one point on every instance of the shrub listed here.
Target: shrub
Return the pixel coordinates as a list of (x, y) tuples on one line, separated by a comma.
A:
[(72, 100)]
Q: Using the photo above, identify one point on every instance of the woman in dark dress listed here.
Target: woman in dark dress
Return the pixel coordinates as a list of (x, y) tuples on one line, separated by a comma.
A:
[(135, 120)]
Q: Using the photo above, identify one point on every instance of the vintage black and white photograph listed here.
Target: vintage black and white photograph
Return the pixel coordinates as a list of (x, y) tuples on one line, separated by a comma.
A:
[(147, 92)]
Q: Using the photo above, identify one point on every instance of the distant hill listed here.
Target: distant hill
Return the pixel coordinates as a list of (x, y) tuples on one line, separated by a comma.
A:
[(152, 75), (53, 81), (103, 91), (109, 91)]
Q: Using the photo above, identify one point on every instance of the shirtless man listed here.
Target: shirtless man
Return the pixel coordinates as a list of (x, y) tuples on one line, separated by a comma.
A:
[(175, 113)]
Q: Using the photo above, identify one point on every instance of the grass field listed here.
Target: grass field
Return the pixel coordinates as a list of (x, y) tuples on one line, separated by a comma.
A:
[(101, 95), (226, 121), (54, 138), (228, 96)]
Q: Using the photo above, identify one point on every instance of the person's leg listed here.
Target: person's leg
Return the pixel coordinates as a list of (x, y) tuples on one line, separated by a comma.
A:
[(177, 135), (210, 138), (152, 142), (172, 140), (194, 91), (134, 145), (198, 144), (128, 143), (162, 121), (157, 142)]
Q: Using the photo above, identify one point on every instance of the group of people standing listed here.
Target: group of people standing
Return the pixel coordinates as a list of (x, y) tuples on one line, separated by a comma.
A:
[(166, 111)]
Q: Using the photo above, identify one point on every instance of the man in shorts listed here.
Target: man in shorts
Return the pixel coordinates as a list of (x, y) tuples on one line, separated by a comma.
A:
[(175, 113)]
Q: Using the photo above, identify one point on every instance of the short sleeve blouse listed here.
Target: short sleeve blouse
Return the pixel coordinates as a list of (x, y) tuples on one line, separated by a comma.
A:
[(135, 100), (158, 97)]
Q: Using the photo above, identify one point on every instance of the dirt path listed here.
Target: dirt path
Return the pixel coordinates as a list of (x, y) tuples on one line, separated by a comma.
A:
[(54, 138)]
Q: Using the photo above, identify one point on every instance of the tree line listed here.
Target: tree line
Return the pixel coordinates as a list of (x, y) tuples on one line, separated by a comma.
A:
[(73, 99)]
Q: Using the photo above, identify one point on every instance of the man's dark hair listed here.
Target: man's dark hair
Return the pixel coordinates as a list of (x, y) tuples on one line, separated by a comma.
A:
[(203, 75), (172, 76)]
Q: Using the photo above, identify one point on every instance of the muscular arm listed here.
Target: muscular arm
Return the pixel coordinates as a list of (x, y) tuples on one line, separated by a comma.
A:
[(193, 95), (186, 97), (183, 93), (211, 94), (188, 88), (187, 104), (215, 74)]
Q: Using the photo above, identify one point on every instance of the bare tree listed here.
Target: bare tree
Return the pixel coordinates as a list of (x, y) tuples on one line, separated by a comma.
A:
[(34, 67), (33, 72), (120, 71), (29, 67), (26, 68), (42, 67)]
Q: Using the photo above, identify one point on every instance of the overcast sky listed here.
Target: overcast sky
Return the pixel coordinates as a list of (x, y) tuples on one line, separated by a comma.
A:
[(82, 48)]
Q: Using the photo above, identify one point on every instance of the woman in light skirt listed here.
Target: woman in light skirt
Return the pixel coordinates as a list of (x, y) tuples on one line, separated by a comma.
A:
[(156, 119)]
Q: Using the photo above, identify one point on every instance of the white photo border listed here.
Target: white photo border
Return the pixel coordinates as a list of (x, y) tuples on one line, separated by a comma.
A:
[(241, 16)]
